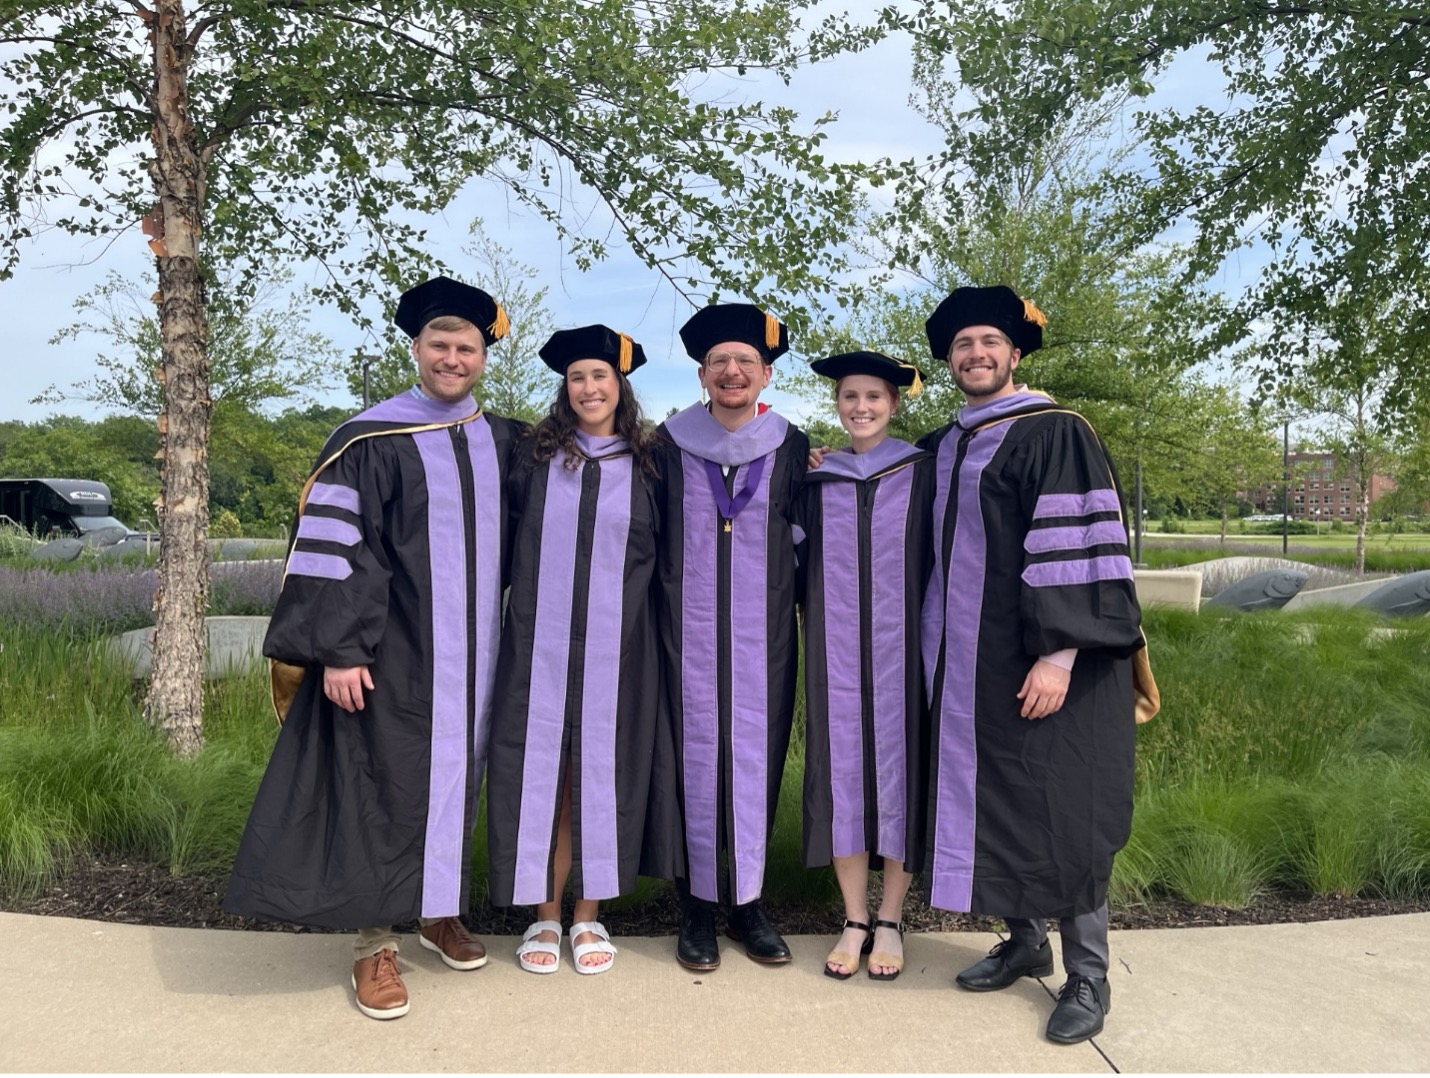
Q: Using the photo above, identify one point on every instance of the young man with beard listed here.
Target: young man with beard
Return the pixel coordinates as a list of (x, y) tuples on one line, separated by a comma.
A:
[(1030, 623), (384, 643), (727, 622)]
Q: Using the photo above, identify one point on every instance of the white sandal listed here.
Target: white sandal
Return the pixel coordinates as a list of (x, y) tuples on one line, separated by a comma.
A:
[(535, 946), (601, 946)]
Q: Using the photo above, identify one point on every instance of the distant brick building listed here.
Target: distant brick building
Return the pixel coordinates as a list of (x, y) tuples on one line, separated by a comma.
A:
[(1319, 491)]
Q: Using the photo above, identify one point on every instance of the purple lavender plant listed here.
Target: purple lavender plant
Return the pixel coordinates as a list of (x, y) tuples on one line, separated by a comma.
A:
[(113, 599), (244, 587)]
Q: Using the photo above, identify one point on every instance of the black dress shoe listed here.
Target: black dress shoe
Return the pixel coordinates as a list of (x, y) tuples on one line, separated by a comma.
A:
[(748, 924), (1008, 961), (1081, 1004), (696, 947)]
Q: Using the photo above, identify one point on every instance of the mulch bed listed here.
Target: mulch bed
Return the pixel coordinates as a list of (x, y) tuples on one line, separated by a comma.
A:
[(143, 894)]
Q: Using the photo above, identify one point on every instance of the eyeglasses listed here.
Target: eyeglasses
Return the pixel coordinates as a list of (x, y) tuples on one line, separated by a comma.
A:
[(719, 361)]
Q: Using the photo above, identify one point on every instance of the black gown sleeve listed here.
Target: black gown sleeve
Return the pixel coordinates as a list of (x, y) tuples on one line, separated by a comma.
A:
[(332, 609), (1077, 587)]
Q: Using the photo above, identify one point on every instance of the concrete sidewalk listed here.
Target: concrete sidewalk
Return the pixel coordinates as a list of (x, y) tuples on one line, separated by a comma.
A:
[(1332, 996)]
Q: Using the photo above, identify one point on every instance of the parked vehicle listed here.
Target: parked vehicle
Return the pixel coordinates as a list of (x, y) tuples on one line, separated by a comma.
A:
[(49, 508)]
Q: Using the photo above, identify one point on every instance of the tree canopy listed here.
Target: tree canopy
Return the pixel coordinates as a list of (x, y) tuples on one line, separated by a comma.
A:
[(1312, 137), (326, 129)]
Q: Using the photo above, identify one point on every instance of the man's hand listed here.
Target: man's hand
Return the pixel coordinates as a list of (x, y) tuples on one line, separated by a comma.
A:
[(343, 685), (816, 456), (1044, 690)]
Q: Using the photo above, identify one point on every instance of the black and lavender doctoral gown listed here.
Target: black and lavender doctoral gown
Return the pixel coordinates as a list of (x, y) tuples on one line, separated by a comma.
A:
[(865, 563), (364, 819), (728, 640), (1031, 559), (578, 682)]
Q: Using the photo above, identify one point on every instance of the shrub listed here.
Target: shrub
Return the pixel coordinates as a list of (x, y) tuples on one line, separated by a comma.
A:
[(225, 525), (1292, 527)]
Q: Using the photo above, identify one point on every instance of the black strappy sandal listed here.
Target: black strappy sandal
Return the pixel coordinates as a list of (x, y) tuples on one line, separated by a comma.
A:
[(844, 958), (884, 958)]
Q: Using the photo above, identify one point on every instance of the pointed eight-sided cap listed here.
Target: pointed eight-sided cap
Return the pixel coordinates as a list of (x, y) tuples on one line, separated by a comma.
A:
[(742, 322), (877, 364), (999, 307), (566, 346), (444, 296)]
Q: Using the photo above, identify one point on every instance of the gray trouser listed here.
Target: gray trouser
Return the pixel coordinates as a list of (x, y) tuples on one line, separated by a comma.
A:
[(1084, 940), (372, 940)]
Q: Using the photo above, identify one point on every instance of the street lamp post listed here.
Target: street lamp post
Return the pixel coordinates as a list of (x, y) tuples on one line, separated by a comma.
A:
[(1285, 486)]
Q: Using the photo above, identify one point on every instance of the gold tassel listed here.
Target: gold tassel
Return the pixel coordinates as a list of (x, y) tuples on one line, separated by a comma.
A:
[(625, 361), (1032, 314), (917, 385), (772, 331), (500, 327)]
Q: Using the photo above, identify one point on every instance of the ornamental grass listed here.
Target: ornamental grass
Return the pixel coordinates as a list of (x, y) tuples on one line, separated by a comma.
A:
[(1292, 755)]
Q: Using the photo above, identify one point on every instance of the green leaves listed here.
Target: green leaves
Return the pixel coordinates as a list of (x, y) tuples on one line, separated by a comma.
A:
[(1311, 135), (323, 126), (260, 349)]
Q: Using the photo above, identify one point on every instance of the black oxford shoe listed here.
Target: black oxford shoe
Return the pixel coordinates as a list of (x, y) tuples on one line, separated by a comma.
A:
[(748, 924), (1008, 961), (696, 947), (1081, 1004)]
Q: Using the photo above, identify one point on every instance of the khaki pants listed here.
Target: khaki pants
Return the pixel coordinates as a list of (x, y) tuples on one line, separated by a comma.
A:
[(372, 940)]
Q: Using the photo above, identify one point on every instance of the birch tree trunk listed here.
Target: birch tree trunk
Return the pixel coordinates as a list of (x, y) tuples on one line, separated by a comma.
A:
[(175, 701), (1362, 521)]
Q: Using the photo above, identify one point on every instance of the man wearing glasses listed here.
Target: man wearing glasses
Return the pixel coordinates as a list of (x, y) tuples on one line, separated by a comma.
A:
[(727, 583)]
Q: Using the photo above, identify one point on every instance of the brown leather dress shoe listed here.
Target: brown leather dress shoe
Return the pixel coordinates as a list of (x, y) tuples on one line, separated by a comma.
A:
[(380, 991), (458, 947)]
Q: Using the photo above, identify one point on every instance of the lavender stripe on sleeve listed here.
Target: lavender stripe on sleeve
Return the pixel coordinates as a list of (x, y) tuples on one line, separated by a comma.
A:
[(1102, 500), (889, 626), (447, 771), (1043, 540), (750, 690), (336, 495), (839, 544), (956, 754), (546, 702), (324, 566), (328, 530), (600, 857), (699, 686), (1051, 574)]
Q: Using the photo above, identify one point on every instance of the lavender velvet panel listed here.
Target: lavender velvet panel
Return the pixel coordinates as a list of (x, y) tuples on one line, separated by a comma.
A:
[(956, 754), (839, 524), (888, 619), (447, 772), (599, 853), (546, 702)]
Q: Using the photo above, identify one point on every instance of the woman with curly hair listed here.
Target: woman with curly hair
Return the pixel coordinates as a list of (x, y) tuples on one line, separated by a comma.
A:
[(574, 714)]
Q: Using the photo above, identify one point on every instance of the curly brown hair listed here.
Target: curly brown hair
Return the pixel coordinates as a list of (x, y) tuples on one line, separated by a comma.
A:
[(556, 432)]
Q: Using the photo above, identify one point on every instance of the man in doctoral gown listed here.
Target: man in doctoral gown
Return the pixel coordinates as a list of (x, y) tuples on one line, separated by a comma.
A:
[(727, 621), (1030, 623), (384, 640)]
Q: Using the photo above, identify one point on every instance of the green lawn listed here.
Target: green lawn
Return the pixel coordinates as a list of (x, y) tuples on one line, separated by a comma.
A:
[(1323, 541), (1276, 764)]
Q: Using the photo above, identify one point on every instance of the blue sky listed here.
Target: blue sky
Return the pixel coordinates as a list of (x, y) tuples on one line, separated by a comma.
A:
[(869, 91)]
